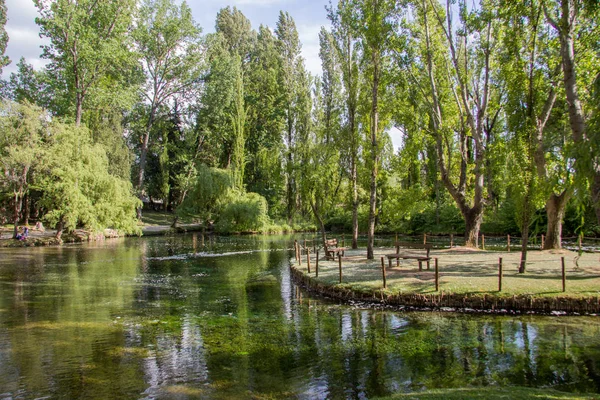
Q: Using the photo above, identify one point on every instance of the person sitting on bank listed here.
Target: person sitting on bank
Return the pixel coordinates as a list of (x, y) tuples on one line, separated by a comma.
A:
[(24, 235), (39, 226)]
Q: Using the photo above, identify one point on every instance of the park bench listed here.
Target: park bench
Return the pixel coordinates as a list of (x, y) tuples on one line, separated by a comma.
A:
[(410, 256), (332, 249)]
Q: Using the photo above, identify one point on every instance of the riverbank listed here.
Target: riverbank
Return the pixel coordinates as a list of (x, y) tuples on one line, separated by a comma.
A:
[(468, 280)]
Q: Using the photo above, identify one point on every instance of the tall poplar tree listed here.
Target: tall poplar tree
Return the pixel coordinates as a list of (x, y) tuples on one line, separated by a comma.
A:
[(264, 100), (168, 41), (348, 56), (295, 91), (375, 22)]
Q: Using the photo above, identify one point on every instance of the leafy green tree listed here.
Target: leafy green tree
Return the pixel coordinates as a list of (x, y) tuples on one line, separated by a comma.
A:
[(454, 76), (348, 56), (4, 60), (529, 68), (27, 85), (573, 20), (265, 122), (168, 41), (89, 42), (206, 196), (77, 189), (374, 21), (321, 173), (295, 89), (21, 147), (237, 31)]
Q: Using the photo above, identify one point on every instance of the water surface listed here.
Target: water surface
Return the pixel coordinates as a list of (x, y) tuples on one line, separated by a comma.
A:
[(219, 318)]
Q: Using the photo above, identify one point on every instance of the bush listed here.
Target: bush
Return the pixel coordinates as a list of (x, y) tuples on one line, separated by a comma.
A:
[(242, 212)]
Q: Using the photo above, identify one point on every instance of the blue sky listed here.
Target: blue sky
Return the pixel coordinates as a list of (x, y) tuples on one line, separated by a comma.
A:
[(310, 15)]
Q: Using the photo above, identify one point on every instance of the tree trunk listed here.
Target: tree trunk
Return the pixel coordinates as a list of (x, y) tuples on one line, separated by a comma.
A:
[(525, 231), (354, 176), (78, 109), (317, 215), (26, 211), (596, 195), (59, 229), (555, 210), (16, 214), (374, 158), (473, 217)]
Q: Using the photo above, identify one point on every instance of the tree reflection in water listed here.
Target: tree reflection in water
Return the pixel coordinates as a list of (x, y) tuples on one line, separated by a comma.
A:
[(172, 316)]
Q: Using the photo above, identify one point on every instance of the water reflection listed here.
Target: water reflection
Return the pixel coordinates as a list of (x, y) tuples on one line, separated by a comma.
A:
[(165, 317)]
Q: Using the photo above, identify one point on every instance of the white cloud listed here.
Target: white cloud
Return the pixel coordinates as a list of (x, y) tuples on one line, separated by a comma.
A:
[(23, 35)]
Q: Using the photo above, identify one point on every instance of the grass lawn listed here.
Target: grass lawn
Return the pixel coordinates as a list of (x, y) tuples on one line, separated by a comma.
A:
[(467, 271), (490, 393)]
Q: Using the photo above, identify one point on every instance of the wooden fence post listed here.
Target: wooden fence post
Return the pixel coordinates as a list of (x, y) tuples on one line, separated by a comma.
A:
[(564, 275), (451, 240), (482, 241), (542, 247), (383, 272), (500, 274), (317, 265), (340, 266), (508, 243), (296, 249), (437, 276), (424, 238), (308, 259), (299, 255)]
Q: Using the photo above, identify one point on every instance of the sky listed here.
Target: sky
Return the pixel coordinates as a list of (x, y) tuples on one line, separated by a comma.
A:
[(309, 15)]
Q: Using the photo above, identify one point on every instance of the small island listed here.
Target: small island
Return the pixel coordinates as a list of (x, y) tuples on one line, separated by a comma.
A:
[(468, 279)]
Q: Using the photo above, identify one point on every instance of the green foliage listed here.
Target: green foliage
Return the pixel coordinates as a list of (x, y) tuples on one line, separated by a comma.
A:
[(89, 47), (4, 60), (76, 186), (212, 185), (242, 212)]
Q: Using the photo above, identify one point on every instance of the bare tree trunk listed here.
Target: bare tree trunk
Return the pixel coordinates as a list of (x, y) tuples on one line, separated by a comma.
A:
[(555, 209)]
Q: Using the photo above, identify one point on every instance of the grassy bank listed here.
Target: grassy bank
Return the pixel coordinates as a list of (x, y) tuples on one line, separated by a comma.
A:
[(490, 393), (467, 278)]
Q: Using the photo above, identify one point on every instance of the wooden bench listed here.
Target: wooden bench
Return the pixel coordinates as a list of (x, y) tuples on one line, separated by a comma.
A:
[(332, 249), (410, 256)]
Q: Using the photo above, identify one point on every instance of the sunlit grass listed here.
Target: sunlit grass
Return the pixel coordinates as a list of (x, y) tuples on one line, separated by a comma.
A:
[(466, 272)]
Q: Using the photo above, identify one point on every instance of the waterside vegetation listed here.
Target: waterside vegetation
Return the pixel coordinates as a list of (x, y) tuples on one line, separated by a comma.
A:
[(495, 105)]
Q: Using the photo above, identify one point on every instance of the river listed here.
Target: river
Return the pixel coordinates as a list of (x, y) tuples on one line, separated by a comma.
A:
[(219, 318)]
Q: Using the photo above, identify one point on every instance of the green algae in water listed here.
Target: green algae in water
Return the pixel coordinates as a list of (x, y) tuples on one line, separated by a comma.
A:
[(158, 318)]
